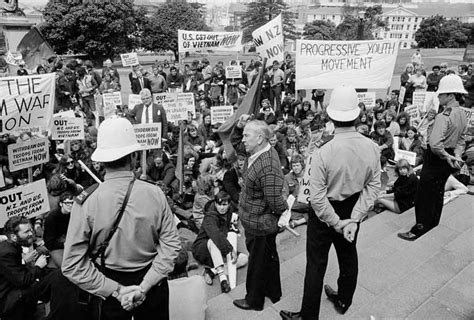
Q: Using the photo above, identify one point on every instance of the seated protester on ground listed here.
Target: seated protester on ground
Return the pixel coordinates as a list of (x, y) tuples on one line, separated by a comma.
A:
[(233, 179), (282, 153), (162, 171), (304, 132), (190, 120), (190, 159), (454, 187), (205, 128), (205, 193), (211, 245), (384, 140), (469, 158), (173, 140), (401, 196), (23, 285), (194, 139), (69, 171), (379, 104), (291, 186), (203, 98), (403, 120), (215, 166), (291, 142), (393, 100), (363, 129), (55, 228), (379, 114), (287, 109), (392, 125), (413, 144), (364, 119), (79, 151), (98, 170), (280, 128), (362, 107), (301, 114), (393, 106), (425, 127)]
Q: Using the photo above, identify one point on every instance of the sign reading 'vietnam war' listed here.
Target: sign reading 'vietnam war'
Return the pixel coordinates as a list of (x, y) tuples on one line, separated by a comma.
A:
[(327, 64), (191, 41), (26, 102)]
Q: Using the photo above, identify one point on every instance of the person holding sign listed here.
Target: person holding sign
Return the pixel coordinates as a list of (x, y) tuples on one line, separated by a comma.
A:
[(442, 157), (277, 76), (149, 112), (344, 182), (122, 264)]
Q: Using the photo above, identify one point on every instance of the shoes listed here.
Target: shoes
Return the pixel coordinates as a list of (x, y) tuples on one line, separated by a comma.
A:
[(340, 307), (243, 304), (273, 300), (225, 288), (288, 315), (409, 236)]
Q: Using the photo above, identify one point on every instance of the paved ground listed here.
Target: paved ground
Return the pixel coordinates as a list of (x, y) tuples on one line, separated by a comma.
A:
[(431, 278)]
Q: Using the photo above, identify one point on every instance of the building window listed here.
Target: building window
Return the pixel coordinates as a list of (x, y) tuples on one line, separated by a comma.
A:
[(403, 19), (404, 44), (416, 19), (409, 19), (406, 36), (414, 27), (393, 19)]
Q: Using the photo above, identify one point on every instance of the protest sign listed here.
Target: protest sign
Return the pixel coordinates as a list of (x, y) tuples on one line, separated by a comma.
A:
[(186, 99), (148, 135), (425, 101), (367, 98), (470, 120), (28, 154), (268, 40), (407, 155), (68, 128), (233, 72), (26, 102), (176, 104), (328, 64), (111, 101), (2, 177), (29, 200), (413, 112), (401, 95), (129, 59), (304, 185), (133, 100), (13, 58), (192, 41), (219, 114)]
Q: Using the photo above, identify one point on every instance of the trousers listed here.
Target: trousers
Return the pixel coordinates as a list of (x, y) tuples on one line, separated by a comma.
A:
[(320, 237), (430, 194), (155, 306), (263, 271)]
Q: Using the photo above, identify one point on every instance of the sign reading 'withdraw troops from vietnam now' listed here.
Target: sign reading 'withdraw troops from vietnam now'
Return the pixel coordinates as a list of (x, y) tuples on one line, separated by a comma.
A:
[(192, 41), (328, 64)]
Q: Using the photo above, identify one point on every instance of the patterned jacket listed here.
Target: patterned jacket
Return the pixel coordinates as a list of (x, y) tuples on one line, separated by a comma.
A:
[(261, 202)]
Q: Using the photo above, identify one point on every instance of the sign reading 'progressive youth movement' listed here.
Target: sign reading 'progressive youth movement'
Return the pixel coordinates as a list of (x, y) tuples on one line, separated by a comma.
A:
[(268, 40), (191, 41), (68, 128), (26, 102), (29, 200), (28, 154), (327, 64)]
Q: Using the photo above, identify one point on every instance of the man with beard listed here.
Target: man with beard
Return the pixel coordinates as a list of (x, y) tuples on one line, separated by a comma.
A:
[(22, 285)]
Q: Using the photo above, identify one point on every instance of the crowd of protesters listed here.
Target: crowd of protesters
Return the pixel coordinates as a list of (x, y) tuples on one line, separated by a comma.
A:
[(209, 192)]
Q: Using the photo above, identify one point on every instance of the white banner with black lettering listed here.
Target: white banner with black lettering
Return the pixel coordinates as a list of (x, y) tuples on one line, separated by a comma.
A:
[(268, 40), (192, 41), (327, 64)]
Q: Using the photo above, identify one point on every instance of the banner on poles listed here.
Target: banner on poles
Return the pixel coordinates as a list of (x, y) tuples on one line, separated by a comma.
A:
[(29, 200), (133, 100), (26, 102), (192, 41), (328, 64), (28, 154), (219, 114), (176, 104), (268, 40), (148, 135), (233, 72), (68, 128), (407, 155), (367, 98), (129, 59)]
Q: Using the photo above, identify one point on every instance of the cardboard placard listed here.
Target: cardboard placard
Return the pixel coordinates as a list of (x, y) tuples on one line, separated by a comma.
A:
[(68, 128), (268, 40), (407, 155), (470, 116), (129, 59), (28, 154), (414, 113), (401, 95), (329, 64), (29, 200), (304, 185), (110, 103), (233, 72), (133, 100), (148, 135), (368, 98), (219, 114), (176, 104), (26, 102)]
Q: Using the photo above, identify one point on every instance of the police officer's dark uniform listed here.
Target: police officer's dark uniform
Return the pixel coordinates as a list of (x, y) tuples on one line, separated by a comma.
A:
[(445, 147)]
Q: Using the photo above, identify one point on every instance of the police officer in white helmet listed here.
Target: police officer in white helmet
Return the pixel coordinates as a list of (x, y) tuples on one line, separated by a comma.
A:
[(122, 239), (442, 157)]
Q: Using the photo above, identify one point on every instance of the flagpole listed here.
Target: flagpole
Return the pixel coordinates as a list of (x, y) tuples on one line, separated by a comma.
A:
[(179, 161)]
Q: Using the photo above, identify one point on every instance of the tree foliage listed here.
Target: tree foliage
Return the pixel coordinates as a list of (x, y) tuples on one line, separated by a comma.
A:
[(320, 30), (161, 31), (100, 29), (260, 12), (439, 32)]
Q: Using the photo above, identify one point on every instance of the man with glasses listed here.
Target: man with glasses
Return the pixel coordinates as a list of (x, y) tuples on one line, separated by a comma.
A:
[(55, 227)]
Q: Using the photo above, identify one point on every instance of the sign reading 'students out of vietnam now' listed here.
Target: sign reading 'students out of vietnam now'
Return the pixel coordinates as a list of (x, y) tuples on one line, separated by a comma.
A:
[(327, 64)]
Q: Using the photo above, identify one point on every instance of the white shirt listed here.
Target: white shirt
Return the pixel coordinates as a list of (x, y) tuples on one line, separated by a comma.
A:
[(150, 113), (254, 156)]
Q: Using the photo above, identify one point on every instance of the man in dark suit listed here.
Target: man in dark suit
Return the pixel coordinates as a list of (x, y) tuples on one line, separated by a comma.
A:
[(140, 82), (149, 112), (22, 285)]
